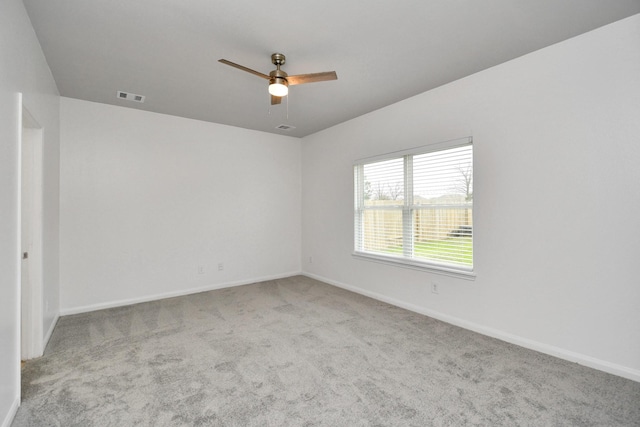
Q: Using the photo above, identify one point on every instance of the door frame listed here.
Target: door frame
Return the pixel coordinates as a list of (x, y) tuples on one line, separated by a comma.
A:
[(31, 222)]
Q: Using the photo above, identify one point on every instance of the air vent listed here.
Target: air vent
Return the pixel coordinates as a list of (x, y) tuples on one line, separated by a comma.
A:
[(285, 127), (130, 96)]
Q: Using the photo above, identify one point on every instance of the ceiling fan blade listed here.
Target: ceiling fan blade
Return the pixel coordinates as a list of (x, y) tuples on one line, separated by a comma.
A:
[(275, 100), (312, 78), (243, 68)]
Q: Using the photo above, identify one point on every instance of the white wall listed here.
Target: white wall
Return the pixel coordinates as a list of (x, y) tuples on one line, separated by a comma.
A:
[(557, 235), (147, 198), (23, 69)]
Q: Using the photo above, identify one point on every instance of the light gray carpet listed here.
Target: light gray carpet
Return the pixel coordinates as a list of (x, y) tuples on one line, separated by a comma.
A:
[(298, 352)]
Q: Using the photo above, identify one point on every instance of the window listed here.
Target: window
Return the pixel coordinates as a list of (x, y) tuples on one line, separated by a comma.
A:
[(416, 207)]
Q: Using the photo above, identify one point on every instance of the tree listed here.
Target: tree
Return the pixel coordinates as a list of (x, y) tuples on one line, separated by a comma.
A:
[(388, 191), (396, 191), (464, 185), (367, 190), (379, 192)]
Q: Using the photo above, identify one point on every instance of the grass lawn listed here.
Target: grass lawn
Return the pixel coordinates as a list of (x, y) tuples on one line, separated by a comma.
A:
[(454, 249)]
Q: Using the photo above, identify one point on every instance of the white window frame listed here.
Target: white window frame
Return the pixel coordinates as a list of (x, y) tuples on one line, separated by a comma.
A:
[(406, 259)]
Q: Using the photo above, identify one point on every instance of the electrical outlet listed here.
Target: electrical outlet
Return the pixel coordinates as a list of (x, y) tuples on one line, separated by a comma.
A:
[(435, 288), (201, 269), (220, 266), (310, 260)]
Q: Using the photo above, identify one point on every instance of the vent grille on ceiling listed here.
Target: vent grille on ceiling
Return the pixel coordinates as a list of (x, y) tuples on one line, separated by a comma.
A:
[(130, 96), (285, 127)]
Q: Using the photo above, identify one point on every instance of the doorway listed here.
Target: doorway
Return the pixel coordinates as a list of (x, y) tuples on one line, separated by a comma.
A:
[(31, 218)]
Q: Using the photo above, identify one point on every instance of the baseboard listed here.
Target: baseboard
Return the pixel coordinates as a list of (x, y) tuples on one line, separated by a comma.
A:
[(8, 419), (581, 359), (155, 297)]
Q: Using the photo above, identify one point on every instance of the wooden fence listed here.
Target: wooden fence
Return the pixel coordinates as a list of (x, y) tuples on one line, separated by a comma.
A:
[(383, 228)]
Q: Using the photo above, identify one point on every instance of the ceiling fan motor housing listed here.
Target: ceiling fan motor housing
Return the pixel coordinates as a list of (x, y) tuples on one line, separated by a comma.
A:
[(278, 80), (278, 77)]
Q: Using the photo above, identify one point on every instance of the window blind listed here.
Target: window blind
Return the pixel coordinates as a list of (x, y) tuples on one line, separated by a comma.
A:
[(416, 206)]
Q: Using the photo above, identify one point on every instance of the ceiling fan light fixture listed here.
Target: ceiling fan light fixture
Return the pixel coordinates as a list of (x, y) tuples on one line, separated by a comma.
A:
[(278, 86)]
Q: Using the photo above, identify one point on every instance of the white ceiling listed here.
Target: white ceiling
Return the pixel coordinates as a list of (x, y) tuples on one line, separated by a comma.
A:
[(383, 51)]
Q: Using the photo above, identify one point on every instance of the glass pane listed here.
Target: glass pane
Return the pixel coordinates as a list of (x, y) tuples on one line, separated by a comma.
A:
[(382, 231), (384, 183), (444, 177), (443, 235)]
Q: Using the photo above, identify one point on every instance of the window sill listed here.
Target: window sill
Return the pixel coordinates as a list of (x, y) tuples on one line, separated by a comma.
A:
[(416, 265)]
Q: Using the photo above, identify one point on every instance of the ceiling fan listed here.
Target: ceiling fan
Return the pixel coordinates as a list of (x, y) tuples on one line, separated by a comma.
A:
[(279, 81)]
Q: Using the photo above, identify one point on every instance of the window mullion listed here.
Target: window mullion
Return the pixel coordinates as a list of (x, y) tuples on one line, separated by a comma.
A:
[(407, 214), (359, 207)]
